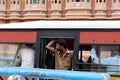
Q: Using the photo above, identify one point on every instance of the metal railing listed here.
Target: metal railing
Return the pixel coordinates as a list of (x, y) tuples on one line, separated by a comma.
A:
[(53, 74)]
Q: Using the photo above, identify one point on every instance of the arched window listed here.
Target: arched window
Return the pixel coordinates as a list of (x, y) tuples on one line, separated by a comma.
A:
[(59, 1), (38, 1), (77, 0), (100, 1), (114, 0), (18, 2), (34, 1), (14, 2), (26, 1), (3, 2), (82, 0), (88, 0), (67, 0), (30, 1), (43, 1), (56, 1)]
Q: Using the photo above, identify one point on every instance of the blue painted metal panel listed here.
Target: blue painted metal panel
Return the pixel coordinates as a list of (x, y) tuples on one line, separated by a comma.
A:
[(51, 74), (6, 58)]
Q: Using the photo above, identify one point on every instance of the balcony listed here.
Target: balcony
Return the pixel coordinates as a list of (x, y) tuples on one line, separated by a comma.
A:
[(14, 15), (35, 7), (56, 7), (2, 14), (78, 5), (115, 6), (100, 6), (2, 11), (15, 7)]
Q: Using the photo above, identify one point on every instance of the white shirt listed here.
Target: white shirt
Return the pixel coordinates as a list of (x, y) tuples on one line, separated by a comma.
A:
[(27, 57), (93, 55), (108, 61)]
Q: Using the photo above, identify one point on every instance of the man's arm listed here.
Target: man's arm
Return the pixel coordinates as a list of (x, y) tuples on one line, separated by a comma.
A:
[(50, 44)]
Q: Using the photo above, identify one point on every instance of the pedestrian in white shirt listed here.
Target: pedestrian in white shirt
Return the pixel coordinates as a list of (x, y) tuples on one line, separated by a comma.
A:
[(25, 56)]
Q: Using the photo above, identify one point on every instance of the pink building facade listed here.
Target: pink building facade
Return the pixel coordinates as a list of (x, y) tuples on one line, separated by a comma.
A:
[(32, 10)]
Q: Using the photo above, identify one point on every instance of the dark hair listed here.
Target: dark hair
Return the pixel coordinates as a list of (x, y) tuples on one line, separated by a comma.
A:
[(62, 42), (29, 45)]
